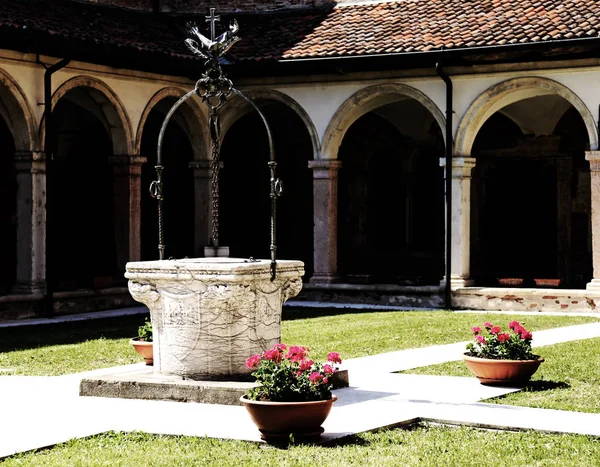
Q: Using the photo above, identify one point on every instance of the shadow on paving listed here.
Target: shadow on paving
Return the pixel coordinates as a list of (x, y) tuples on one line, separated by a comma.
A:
[(34, 336)]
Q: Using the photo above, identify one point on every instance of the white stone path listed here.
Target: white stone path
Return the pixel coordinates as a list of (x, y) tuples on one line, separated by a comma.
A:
[(36, 412)]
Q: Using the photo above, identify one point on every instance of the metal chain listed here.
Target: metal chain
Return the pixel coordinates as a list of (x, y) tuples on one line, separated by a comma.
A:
[(214, 169)]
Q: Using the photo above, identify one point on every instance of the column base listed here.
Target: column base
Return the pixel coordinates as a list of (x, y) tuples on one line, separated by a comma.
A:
[(457, 282), (593, 286), (216, 252), (29, 288), (324, 279)]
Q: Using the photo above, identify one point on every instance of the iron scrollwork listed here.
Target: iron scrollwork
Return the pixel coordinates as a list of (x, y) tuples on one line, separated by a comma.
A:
[(214, 89)]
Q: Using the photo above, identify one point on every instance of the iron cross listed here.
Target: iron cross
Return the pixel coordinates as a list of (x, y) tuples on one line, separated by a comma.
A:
[(212, 19)]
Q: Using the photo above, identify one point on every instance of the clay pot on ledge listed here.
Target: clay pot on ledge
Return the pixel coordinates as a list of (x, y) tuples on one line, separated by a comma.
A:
[(145, 349), (547, 282), (510, 281), (276, 421), (493, 372)]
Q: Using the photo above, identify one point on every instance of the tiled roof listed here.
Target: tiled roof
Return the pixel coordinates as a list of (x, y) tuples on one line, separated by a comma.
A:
[(422, 25), (82, 25), (345, 30)]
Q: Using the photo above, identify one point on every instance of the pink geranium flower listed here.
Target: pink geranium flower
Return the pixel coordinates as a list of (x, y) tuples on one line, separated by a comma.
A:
[(306, 364), (253, 361), (286, 373), (494, 344), (334, 357), (315, 377), (503, 337), (273, 355)]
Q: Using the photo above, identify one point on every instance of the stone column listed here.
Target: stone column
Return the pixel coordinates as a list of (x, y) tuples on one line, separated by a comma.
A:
[(461, 221), (325, 199), (202, 205), (31, 222), (127, 172), (594, 159)]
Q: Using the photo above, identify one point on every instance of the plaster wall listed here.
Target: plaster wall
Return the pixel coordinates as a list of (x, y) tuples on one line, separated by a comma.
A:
[(322, 100), (133, 89)]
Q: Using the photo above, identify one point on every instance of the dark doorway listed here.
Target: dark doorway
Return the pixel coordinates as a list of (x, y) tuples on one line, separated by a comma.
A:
[(8, 209), (520, 218), (391, 204), (178, 188), (81, 221), (531, 204), (245, 186)]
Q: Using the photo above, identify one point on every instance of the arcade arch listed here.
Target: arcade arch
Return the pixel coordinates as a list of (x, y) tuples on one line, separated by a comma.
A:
[(245, 182), (530, 192), (391, 204)]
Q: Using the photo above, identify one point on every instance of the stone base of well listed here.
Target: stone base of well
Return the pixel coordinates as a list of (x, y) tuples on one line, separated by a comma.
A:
[(210, 314), (143, 383)]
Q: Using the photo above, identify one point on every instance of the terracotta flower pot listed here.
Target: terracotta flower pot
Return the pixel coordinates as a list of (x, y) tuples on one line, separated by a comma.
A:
[(511, 281), (502, 372), (145, 349), (277, 420), (547, 282)]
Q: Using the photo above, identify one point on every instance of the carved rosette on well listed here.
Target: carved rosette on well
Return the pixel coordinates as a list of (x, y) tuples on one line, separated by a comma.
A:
[(210, 314)]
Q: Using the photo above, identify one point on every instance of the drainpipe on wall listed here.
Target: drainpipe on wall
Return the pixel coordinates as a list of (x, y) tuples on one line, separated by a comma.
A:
[(448, 180), (49, 148)]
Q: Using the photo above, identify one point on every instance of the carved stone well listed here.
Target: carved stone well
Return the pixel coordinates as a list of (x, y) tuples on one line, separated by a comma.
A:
[(210, 314)]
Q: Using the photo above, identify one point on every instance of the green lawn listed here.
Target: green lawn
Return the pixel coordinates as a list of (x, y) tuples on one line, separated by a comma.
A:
[(74, 347), (421, 446), (362, 334), (569, 379)]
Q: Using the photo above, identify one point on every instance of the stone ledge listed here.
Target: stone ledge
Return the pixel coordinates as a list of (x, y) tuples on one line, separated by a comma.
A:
[(144, 384)]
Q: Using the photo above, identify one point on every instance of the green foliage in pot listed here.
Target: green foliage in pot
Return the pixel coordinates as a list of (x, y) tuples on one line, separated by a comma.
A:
[(287, 374), (490, 342), (145, 332)]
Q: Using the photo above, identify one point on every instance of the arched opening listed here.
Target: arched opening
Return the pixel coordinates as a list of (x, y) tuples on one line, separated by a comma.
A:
[(245, 186), (81, 222), (8, 208), (178, 187), (391, 201), (531, 201)]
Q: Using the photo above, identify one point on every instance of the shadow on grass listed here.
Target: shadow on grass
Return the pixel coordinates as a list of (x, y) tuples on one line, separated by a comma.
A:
[(292, 313), (35, 336), (542, 385)]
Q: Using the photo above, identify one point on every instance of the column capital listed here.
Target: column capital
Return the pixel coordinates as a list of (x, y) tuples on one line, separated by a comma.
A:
[(461, 166), (324, 168), (126, 159), (593, 157), (201, 168), (30, 161)]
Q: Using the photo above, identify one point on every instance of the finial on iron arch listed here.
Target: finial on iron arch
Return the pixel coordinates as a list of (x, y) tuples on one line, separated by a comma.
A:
[(212, 48)]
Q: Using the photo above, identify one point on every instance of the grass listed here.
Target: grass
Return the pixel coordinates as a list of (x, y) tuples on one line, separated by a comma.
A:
[(420, 446), (569, 379), (361, 334), (74, 347), (64, 348)]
